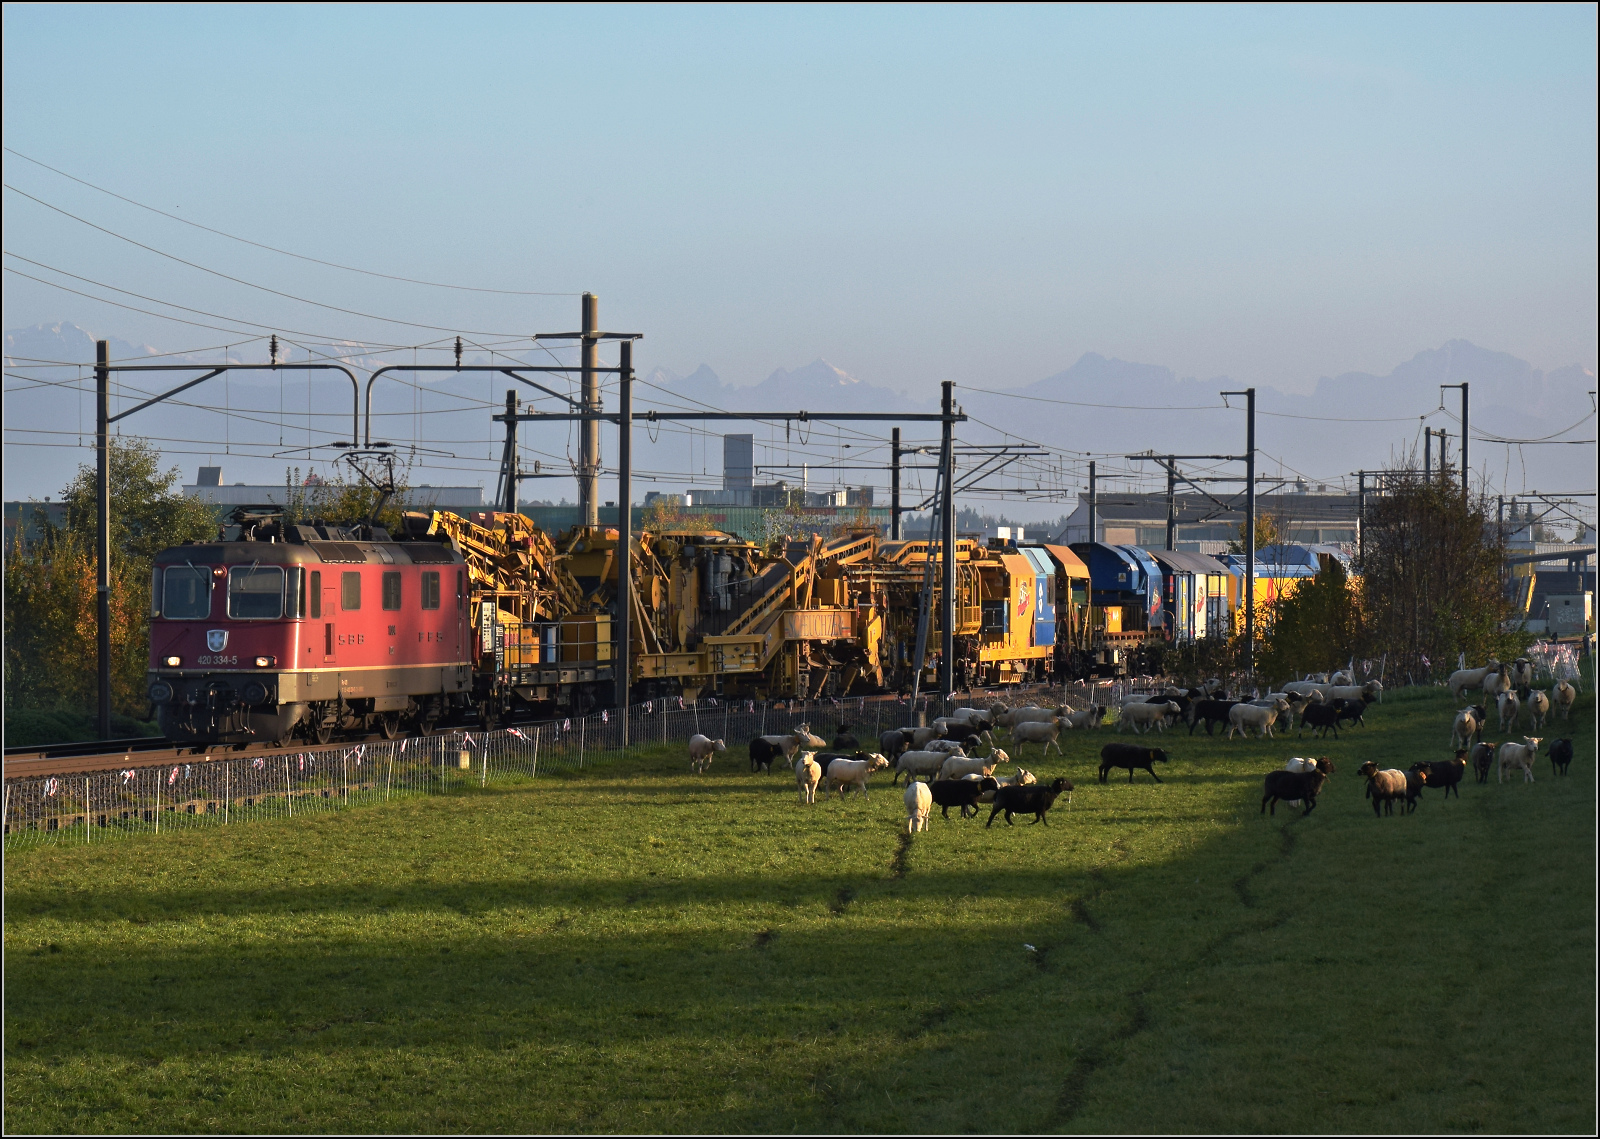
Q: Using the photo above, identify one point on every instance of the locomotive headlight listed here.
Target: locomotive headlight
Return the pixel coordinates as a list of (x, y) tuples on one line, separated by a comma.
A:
[(254, 693), (172, 662), (160, 692), (266, 662)]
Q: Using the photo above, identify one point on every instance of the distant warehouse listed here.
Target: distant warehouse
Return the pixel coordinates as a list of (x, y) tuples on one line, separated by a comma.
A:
[(209, 487)]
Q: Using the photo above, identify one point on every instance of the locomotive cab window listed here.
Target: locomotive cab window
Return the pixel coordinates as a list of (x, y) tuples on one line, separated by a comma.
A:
[(295, 595), (430, 589), (391, 590), (186, 593), (255, 593), (349, 591)]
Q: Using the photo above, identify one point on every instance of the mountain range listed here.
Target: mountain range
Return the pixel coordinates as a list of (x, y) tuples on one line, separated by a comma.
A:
[(1099, 405)]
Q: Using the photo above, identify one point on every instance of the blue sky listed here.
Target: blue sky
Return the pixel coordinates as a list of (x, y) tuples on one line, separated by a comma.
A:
[(979, 194)]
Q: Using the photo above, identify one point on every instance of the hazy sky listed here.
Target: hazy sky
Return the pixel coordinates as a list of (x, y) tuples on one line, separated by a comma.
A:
[(978, 194)]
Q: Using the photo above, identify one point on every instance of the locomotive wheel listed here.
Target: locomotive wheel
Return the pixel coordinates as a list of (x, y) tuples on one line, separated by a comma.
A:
[(389, 725), (322, 733)]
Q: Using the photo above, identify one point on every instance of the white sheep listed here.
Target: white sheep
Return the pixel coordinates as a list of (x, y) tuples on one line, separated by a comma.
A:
[(919, 737), (1018, 778), (1497, 682), (914, 763), (1467, 678), (1089, 718), (1343, 676), (1142, 715), (844, 773), (1046, 732), (1371, 692), (1564, 695), (1538, 709), (919, 805), (1469, 723), (949, 747), (1519, 755), (1015, 716), (1509, 707), (701, 749), (807, 775), (955, 766), (1242, 717)]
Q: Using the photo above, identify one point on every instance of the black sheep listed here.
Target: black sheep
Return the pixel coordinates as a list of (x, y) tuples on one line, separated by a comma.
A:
[(1482, 761), (1353, 710), (1185, 706), (1035, 800), (893, 742), (1131, 757), (1414, 786), (762, 753), (1292, 785), (843, 740), (961, 733), (1319, 716), (1446, 774), (1212, 712), (961, 793), (1560, 755)]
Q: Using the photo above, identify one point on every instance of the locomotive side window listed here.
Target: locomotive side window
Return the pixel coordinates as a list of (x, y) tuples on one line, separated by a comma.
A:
[(295, 595), (430, 589), (256, 593), (155, 592), (186, 593), (316, 593), (391, 590), (349, 591)]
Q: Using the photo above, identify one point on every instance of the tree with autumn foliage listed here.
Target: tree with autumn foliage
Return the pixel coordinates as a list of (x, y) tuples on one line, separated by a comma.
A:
[(50, 620)]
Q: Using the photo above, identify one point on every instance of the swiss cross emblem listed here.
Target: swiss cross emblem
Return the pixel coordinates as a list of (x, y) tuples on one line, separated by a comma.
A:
[(216, 639)]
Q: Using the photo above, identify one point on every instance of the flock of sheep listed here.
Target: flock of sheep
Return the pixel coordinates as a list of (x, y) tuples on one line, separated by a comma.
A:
[(938, 752)]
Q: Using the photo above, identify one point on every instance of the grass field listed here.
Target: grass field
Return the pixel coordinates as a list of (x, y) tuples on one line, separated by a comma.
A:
[(636, 948)]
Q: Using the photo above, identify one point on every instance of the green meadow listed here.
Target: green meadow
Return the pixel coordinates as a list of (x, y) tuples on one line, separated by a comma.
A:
[(635, 948)]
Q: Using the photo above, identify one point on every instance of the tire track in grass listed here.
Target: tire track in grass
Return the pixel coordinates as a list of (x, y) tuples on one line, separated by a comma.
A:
[(1074, 1088)]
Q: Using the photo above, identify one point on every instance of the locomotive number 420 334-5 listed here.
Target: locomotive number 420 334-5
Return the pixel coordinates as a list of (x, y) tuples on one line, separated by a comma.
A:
[(218, 658)]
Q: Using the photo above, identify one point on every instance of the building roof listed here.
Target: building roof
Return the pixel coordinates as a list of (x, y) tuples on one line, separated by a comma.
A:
[(1185, 562)]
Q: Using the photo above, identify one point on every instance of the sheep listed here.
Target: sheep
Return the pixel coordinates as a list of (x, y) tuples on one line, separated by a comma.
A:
[(1482, 758), (764, 749), (1142, 715), (1181, 699), (844, 739), (1018, 778), (1353, 710), (1522, 673), (1371, 692), (914, 763), (1035, 801), (960, 731), (1538, 705), (1383, 787), (807, 775), (1305, 767), (1319, 717), (945, 747), (1014, 716), (1509, 706), (963, 793), (1046, 732), (893, 742), (1089, 718), (1519, 755), (1343, 676), (1563, 696), (1445, 773), (1294, 787), (919, 737), (1309, 688), (1211, 689), (977, 717), (844, 773), (1242, 717), (1211, 713), (701, 749), (807, 739), (919, 805), (1560, 753), (1466, 678), (1131, 757), (1497, 682), (956, 766), (1468, 725)]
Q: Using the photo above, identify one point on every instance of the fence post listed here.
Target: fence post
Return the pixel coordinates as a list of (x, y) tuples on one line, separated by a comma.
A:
[(537, 732), (158, 800), (344, 771), (288, 792), (5, 815), (483, 780), (227, 789), (582, 723), (86, 810)]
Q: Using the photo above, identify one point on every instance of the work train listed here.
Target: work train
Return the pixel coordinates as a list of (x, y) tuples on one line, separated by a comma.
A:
[(311, 630)]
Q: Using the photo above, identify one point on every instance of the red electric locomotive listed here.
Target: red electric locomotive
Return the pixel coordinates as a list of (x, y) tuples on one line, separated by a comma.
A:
[(308, 630)]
